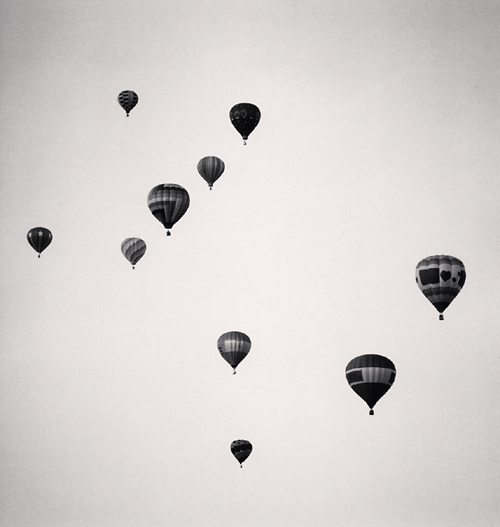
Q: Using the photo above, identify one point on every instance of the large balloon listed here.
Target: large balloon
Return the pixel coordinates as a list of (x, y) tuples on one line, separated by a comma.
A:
[(211, 169), (39, 238), (370, 376), (245, 117), (127, 100), (234, 347), (168, 203), (440, 278), (241, 449), (133, 249)]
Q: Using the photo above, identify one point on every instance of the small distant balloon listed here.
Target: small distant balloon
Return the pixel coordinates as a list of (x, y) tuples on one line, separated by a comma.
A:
[(241, 449), (440, 278), (39, 238), (370, 376), (244, 117), (133, 249), (234, 347), (211, 169), (128, 100), (168, 202)]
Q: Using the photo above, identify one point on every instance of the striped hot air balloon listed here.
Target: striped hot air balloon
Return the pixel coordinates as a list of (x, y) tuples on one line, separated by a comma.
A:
[(211, 169), (39, 238), (370, 376), (133, 249), (234, 347), (168, 203), (244, 117), (440, 278), (127, 100), (241, 449)]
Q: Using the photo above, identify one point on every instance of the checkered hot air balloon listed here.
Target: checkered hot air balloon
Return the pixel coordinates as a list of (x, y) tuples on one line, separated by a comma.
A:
[(39, 238), (211, 169), (440, 278), (244, 117), (127, 100), (241, 449), (370, 376), (234, 347), (168, 203), (133, 249)]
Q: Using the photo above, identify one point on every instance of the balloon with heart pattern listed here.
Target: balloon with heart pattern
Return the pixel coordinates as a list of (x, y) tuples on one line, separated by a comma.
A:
[(440, 278)]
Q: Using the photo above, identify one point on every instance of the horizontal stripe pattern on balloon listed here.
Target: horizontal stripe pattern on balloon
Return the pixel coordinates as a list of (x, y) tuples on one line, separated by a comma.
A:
[(241, 449), (234, 347), (370, 376)]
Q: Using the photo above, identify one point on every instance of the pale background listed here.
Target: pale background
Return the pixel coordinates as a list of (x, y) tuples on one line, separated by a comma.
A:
[(378, 146)]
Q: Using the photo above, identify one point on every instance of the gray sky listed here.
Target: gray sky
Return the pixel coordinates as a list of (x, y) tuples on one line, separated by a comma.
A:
[(377, 147)]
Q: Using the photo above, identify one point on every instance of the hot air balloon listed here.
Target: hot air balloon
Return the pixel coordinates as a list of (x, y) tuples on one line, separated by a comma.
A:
[(133, 249), (440, 278), (234, 347), (39, 238), (241, 449), (245, 117), (127, 100), (168, 203), (370, 376), (211, 169)]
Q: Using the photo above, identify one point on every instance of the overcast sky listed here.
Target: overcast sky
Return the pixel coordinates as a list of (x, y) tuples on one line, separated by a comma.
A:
[(378, 146)]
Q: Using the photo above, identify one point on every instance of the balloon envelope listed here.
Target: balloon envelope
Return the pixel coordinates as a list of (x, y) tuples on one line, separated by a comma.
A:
[(127, 100), (245, 117), (440, 278), (211, 169), (370, 376), (168, 203), (39, 238), (234, 347), (241, 449), (133, 249)]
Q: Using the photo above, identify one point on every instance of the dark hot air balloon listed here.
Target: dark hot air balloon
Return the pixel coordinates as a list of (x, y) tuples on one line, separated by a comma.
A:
[(211, 169), (244, 117), (168, 203), (370, 376), (39, 238), (241, 449), (133, 249), (440, 278), (127, 100), (234, 347)]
